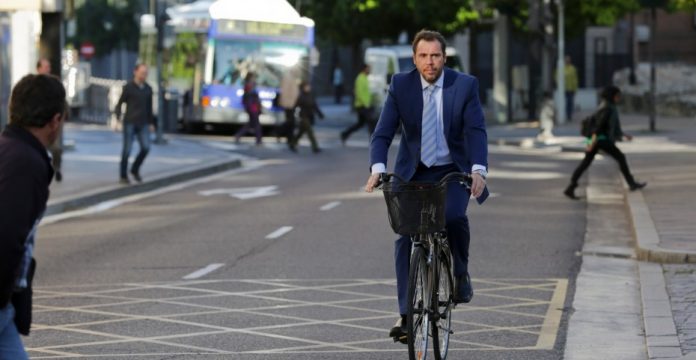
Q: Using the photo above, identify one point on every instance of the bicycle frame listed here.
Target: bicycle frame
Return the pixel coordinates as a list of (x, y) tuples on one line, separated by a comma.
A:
[(435, 245)]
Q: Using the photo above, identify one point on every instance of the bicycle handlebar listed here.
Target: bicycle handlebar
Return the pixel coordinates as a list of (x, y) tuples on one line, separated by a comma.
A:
[(461, 177)]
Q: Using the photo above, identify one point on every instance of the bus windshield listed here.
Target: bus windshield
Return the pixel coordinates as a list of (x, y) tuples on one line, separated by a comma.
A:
[(269, 60)]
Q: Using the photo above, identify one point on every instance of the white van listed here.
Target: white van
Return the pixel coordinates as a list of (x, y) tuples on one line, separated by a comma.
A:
[(386, 61)]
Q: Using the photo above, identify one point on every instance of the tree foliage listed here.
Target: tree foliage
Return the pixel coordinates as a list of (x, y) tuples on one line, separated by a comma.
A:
[(108, 25), (350, 21)]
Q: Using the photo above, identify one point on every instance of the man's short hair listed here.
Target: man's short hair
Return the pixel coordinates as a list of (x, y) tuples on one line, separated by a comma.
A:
[(138, 66), (429, 35), (35, 100)]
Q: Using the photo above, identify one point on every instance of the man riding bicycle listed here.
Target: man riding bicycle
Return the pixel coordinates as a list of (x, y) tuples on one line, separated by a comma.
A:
[(443, 131)]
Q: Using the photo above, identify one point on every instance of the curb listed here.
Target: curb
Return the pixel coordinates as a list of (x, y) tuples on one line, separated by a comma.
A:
[(112, 192), (647, 239), (661, 336)]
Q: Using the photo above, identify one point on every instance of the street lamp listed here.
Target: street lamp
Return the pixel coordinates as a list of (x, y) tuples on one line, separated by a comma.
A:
[(560, 67), (653, 5), (160, 21)]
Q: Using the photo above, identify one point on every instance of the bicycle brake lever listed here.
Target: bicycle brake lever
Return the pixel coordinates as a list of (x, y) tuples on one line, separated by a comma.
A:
[(383, 178)]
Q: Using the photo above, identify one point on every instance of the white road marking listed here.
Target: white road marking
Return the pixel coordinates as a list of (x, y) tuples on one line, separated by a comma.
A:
[(279, 287), (490, 196), (243, 193), (280, 232), (202, 272), (330, 206), (526, 175), (249, 165)]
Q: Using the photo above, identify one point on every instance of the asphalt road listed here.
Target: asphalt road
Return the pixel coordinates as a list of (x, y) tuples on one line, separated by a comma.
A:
[(214, 270)]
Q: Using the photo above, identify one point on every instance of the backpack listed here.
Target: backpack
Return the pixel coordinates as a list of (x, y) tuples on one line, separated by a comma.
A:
[(587, 125), (590, 124)]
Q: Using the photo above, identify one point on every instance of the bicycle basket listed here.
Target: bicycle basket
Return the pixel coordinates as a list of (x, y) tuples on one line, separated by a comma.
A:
[(415, 208)]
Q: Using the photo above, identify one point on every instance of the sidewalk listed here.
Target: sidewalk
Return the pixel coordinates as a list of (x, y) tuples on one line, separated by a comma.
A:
[(662, 218), (91, 167)]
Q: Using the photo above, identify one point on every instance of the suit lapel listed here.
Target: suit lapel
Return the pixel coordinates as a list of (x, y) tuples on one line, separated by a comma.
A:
[(417, 98), (448, 93)]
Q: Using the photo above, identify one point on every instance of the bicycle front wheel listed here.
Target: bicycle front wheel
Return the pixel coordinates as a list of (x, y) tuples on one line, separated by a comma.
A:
[(443, 297), (419, 296)]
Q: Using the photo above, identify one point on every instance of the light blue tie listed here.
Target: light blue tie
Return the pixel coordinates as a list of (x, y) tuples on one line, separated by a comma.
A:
[(429, 128)]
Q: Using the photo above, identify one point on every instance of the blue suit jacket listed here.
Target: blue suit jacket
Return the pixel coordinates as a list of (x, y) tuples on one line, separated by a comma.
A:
[(464, 124)]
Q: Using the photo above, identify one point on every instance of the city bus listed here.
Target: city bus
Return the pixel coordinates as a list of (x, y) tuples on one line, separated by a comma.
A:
[(210, 46)]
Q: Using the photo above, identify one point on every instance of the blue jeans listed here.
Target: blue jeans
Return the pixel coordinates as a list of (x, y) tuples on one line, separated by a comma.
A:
[(130, 131), (11, 347), (457, 225)]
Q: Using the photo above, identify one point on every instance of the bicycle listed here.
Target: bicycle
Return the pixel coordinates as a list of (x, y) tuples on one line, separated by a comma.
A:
[(417, 210)]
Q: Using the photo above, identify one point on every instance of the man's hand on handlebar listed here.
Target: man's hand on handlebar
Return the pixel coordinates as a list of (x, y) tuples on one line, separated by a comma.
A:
[(372, 182), (478, 183)]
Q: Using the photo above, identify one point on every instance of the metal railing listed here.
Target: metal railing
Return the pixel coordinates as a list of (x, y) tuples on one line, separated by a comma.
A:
[(102, 96)]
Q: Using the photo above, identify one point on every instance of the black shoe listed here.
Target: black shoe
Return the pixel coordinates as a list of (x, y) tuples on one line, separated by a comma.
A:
[(463, 290), (316, 151), (124, 181), (59, 176), (292, 148), (570, 192), (136, 176), (344, 137), (637, 186), (399, 332)]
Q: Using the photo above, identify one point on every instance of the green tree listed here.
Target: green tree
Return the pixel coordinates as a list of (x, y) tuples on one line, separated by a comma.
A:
[(348, 22), (582, 13), (108, 25)]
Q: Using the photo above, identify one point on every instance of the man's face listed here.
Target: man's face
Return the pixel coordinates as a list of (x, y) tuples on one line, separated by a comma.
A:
[(429, 59), (140, 74), (44, 68)]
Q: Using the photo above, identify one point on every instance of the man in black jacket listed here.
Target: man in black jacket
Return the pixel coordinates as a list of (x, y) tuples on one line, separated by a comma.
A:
[(37, 110), (137, 95)]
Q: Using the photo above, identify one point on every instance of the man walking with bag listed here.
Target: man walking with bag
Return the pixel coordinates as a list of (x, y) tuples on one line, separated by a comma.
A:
[(289, 92), (37, 111)]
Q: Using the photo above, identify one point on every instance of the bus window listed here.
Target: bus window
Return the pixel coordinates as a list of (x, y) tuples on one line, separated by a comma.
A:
[(234, 59)]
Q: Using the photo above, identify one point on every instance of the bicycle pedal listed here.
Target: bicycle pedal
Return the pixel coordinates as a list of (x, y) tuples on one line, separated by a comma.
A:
[(401, 339)]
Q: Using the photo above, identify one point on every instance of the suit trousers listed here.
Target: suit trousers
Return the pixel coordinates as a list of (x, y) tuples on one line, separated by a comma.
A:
[(457, 226)]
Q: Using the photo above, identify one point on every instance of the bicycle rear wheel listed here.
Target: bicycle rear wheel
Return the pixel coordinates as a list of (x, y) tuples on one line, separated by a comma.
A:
[(443, 297), (419, 296)]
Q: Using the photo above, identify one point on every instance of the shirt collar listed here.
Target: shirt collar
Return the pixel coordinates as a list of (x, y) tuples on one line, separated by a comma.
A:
[(439, 82)]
